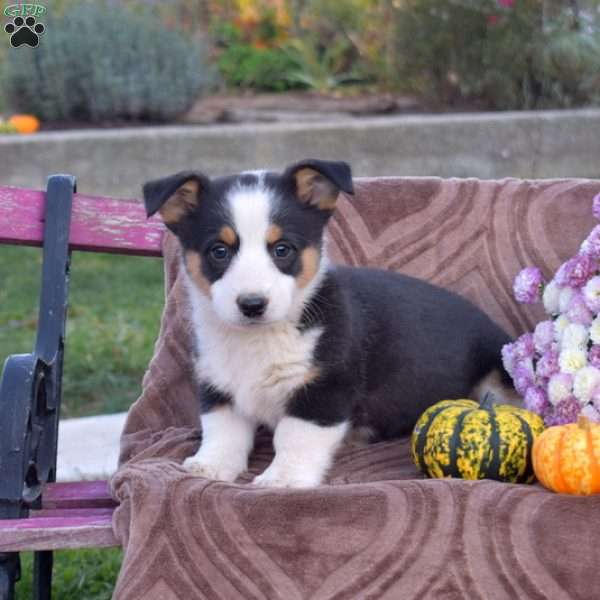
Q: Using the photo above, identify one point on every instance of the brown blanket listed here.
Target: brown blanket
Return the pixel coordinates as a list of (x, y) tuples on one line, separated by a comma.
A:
[(378, 529)]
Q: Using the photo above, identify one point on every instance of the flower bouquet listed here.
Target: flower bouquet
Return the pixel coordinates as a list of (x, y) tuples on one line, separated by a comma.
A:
[(556, 369)]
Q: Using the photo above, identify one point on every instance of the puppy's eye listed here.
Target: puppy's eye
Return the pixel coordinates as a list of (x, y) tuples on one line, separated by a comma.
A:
[(219, 252), (282, 250)]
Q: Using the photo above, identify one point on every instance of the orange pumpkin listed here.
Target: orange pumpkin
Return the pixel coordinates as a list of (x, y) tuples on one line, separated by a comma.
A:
[(566, 458), (24, 123)]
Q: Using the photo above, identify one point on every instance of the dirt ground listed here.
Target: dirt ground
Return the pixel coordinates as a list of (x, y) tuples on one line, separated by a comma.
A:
[(247, 107)]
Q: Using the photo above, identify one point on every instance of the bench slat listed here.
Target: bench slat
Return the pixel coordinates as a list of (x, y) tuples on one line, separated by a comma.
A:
[(98, 224), (80, 494), (56, 533), (71, 512)]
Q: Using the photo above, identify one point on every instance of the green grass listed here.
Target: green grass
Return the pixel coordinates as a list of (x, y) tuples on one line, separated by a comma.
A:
[(114, 312), (77, 574)]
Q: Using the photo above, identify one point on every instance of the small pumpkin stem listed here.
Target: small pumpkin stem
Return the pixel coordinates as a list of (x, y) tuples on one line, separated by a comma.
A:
[(488, 401), (583, 422)]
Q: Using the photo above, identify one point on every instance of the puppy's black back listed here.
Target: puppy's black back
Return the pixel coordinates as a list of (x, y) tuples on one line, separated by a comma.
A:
[(405, 343)]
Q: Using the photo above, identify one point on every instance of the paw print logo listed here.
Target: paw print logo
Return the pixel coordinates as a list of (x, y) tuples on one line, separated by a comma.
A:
[(24, 31)]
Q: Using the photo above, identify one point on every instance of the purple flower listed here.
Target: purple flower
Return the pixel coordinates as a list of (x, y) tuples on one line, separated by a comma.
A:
[(594, 356), (536, 400), (524, 347), (566, 411), (548, 364), (578, 311), (522, 377), (591, 245), (527, 287), (576, 271), (543, 336), (596, 206), (596, 398)]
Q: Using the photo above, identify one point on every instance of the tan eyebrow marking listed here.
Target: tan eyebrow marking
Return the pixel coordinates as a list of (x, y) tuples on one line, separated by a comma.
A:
[(274, 233), (228, 235)]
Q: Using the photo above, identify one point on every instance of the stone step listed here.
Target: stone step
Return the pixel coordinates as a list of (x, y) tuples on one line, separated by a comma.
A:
[(88, 447)]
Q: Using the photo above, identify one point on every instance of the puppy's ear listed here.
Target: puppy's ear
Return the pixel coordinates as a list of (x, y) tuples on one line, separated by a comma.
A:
[(318, 182), (176, 196)]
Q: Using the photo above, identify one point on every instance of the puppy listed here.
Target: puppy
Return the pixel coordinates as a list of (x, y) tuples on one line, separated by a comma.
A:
[(311, 350)]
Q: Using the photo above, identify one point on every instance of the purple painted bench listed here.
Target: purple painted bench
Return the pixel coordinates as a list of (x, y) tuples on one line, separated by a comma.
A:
[(35, 513)]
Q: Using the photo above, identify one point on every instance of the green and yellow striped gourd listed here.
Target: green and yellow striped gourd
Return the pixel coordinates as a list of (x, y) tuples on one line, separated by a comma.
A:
[(461, 438)]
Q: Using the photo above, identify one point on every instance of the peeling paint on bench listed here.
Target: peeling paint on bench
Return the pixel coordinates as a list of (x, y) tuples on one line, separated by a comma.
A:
[(98, 224)]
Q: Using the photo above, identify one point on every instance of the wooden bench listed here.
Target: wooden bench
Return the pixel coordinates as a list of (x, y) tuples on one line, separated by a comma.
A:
[(36, 513)]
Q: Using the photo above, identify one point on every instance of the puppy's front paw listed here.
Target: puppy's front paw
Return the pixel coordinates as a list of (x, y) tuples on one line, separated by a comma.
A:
[(275, 476), (211, 470)]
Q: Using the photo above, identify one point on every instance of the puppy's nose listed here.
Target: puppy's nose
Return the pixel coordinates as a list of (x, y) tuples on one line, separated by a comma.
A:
[(252, 305)]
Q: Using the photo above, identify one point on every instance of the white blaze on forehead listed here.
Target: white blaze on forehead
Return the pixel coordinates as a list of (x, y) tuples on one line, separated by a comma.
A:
[(259, 173), (250, 208)]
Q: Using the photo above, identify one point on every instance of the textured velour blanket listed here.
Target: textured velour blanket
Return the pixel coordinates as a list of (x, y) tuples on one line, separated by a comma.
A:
[(377, 529)]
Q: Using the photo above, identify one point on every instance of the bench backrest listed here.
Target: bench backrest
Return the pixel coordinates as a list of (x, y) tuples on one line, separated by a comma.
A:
[(97, 224)]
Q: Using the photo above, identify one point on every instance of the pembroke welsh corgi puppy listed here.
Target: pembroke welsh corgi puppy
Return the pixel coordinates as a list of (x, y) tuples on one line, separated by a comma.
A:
[(311, 350)]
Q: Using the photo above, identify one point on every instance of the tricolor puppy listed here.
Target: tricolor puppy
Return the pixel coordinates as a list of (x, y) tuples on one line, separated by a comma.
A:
[(285, 339)]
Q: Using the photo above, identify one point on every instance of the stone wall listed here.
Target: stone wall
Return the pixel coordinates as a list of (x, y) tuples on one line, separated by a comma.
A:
[(542, 144)]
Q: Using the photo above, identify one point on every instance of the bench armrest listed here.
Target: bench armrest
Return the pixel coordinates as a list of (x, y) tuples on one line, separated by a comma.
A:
[(16, 402), (30, 387)]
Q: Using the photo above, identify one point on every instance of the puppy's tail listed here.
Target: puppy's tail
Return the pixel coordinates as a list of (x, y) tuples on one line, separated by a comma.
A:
[(498, 383)]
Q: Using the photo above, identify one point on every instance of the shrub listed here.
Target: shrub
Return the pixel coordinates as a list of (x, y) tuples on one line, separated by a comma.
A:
[(266, 47), (320, 68), (340, 41), (251, 54), (268, 69), (500, 53), (96, 64)]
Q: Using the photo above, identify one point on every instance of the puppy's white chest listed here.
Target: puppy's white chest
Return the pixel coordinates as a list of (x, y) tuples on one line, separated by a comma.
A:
[(259, 367)]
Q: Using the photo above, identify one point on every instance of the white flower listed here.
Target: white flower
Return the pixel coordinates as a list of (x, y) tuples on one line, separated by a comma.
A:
[(591, 294), (575, 335), (591, 413), (560, 324), (564, 298), (584, 383), (595, 330), (570, 360), (550, 298), (559, 388)]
